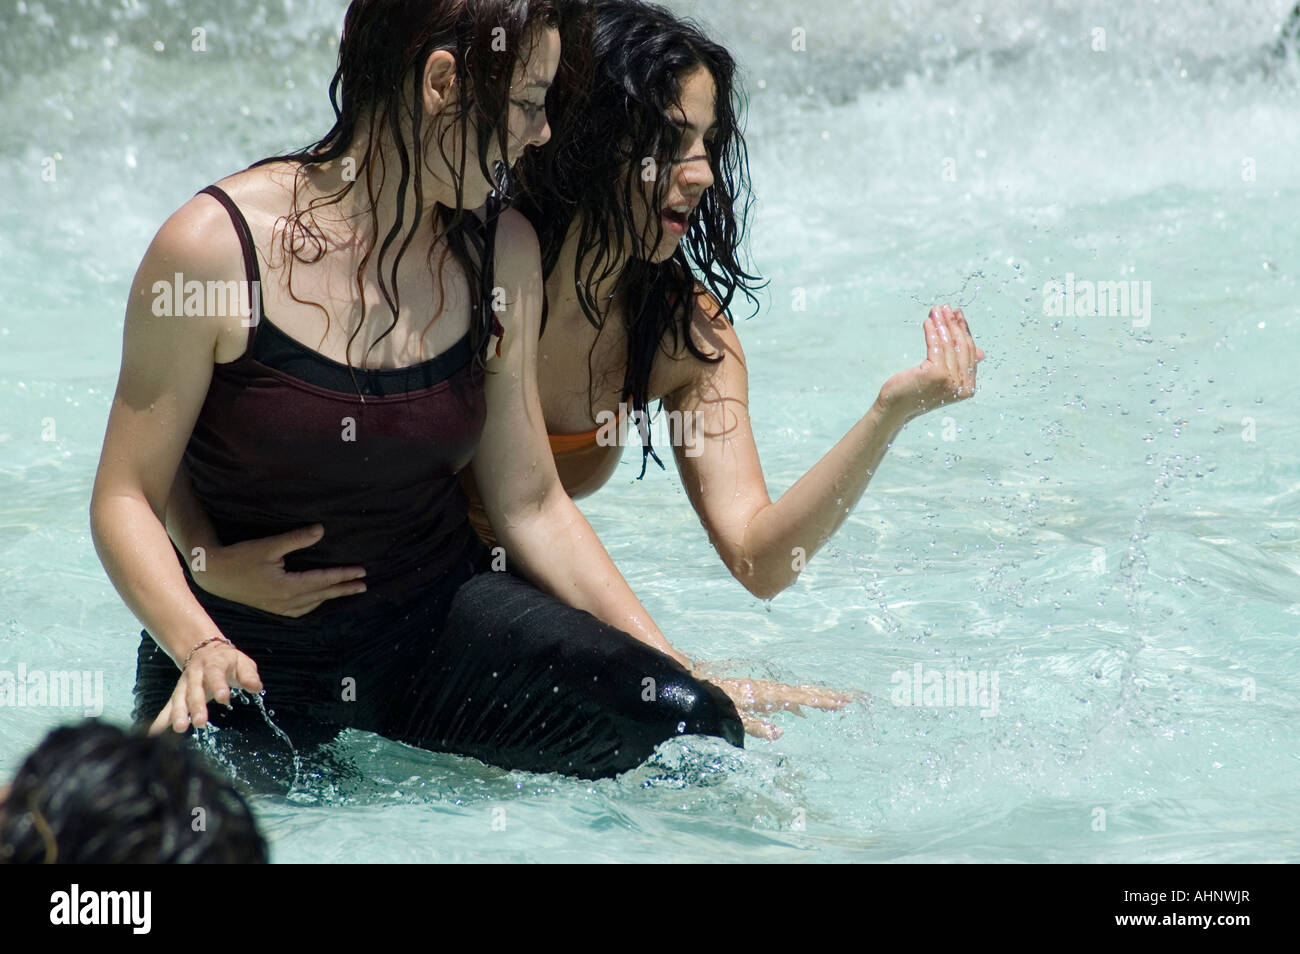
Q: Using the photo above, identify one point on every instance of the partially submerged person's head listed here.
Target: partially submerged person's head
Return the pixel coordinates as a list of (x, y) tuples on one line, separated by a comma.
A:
[(93, 794)]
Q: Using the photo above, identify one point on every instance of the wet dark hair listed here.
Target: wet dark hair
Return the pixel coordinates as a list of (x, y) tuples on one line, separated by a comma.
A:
[(93, 794), (602, 132), (382, 55)]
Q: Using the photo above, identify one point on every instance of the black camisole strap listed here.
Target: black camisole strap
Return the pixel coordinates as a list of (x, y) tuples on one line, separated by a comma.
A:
[(252, 271), (487, 258)]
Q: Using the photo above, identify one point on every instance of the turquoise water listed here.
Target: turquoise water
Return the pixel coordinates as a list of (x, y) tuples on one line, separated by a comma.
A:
[(1110, 528)]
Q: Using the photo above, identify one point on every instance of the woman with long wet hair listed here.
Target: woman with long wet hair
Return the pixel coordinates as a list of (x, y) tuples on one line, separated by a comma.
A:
[(387, 341), (640, 202)]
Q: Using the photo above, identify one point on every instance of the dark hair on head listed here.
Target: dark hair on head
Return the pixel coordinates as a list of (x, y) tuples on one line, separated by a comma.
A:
[(377, 96), (93, 794), (602, 133)]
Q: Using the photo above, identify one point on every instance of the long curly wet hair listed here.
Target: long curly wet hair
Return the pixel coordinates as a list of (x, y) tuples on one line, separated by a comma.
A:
[(376, 95), (604, 132)]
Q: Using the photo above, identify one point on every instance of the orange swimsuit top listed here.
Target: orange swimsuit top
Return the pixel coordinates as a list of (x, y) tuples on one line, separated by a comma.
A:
[(567, 443)]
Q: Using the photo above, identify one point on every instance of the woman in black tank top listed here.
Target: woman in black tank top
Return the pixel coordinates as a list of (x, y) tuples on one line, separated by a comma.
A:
[(442, 650)]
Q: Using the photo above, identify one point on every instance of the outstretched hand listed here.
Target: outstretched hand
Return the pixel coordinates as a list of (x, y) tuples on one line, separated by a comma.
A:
[(947, 374), (755, 697)]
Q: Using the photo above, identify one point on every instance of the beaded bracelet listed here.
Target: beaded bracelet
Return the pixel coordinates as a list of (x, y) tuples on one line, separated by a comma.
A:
[(210, 639)]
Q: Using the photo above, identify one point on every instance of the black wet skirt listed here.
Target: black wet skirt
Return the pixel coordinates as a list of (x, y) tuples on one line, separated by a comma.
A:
[(486, 666)]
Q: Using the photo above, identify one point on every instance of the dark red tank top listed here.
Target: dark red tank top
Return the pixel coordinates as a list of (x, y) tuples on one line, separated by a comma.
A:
[(288, 438)]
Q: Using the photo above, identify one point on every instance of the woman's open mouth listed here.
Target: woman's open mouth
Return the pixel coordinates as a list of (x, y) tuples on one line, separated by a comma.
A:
[(677, 221)]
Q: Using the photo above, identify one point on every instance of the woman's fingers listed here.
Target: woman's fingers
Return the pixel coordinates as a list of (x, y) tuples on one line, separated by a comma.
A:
[(304, 603), (758, 728), (753, 697), (318, 581), (952, 352), (246, 674), (297, 594), (773, 702), (163, 720), (308, 589), (967, 359), (772, 696), (212, 675), (939, 352), (967, 340), (819, 697), (957, 354), (196, 698), (970, 335), (933, 342), (945, 360), (299, 539), (348, 587), (178, 711), (218, 689)]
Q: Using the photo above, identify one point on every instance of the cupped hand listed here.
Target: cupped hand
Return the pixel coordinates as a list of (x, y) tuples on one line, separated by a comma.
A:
[(253, 573), (947, 374), (212, 673)]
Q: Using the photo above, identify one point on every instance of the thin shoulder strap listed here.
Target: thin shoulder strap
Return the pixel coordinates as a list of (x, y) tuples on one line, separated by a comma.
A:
[(252, 272)]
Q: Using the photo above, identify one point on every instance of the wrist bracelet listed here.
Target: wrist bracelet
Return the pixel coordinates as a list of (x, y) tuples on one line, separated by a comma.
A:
[(210, 639)]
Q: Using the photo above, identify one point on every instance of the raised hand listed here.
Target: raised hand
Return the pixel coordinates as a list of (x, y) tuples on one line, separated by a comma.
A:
[(947, 374), (253, 573)]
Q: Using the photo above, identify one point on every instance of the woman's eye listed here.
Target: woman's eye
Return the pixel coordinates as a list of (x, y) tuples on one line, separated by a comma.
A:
[(532, 109)]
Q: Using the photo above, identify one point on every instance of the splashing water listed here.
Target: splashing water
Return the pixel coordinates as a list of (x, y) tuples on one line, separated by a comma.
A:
[(208, 739), (1110, 525)]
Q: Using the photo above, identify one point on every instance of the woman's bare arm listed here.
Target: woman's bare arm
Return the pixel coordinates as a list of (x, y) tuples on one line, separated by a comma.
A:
[(537, 522), (766, 543), (534, 519), (187, 522), (166, 369)]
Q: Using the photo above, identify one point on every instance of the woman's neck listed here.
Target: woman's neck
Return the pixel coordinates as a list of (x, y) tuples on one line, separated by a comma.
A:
[(353, 212), (562, 281)]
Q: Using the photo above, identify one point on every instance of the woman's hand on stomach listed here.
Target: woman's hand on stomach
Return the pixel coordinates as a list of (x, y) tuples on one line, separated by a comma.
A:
[(253, 573)]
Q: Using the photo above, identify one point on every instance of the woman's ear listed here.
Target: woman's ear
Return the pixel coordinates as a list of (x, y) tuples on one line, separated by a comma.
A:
[(438, 82)]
